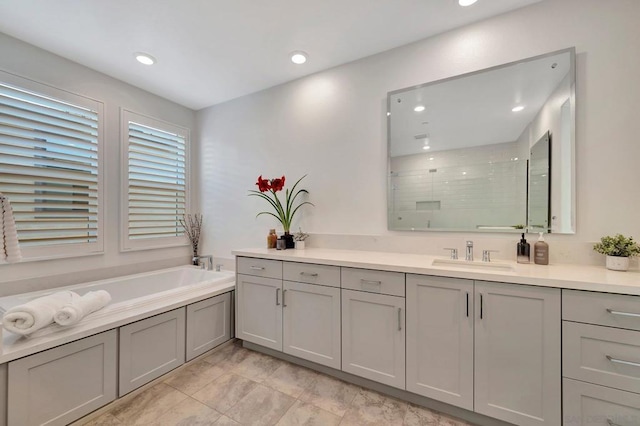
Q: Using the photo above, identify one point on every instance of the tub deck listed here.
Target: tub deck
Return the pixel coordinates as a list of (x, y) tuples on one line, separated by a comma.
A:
[(134, 297)]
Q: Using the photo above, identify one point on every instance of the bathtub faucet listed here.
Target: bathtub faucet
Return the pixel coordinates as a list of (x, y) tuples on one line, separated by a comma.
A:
[(208, 265)]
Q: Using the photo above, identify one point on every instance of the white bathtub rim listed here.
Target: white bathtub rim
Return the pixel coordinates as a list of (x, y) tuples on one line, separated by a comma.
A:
[(15, 346)]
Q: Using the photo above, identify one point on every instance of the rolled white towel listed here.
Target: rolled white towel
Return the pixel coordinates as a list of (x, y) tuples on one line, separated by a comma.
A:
[(36, 314), (80, 307)]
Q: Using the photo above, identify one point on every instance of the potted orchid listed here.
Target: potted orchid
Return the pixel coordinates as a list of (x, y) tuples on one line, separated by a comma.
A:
[(284, 213)]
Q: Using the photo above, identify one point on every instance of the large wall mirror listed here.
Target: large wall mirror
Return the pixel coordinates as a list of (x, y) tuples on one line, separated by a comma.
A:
[(489, 151)]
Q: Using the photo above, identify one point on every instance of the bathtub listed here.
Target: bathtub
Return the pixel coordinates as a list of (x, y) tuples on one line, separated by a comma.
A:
[(134, 297)]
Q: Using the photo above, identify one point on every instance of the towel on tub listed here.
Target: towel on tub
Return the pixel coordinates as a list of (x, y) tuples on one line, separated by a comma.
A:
[(36, 314), (79, 307)]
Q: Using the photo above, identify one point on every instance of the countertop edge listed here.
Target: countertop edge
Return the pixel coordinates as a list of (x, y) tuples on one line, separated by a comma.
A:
[(565, 276)]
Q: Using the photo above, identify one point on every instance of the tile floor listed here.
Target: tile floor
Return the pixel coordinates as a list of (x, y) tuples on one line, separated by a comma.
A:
[(237, 386)]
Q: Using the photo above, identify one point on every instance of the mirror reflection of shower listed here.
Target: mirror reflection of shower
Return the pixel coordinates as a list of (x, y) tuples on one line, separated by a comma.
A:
[(460, 148)]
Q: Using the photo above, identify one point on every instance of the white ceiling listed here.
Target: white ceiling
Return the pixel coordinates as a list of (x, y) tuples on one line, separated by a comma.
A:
[(210, 51)]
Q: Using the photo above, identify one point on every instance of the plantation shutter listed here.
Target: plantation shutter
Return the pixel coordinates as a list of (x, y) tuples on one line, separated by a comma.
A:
[(157, 181), (49, 167)]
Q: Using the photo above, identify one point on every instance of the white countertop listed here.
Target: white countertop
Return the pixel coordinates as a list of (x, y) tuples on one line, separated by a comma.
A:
[(15, 346), (577, 277)]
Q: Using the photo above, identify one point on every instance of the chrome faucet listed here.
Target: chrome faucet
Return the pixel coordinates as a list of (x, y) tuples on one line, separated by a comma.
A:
[(469, 252), (208, 265)]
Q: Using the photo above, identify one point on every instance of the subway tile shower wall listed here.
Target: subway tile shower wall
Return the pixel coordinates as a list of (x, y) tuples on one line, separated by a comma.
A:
[(460, 188)]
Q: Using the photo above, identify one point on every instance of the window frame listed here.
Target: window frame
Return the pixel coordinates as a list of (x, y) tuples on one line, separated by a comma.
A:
[(70, 250), (127, 244)]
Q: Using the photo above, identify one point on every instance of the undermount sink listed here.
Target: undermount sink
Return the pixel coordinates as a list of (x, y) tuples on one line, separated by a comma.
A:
[(465, 264)]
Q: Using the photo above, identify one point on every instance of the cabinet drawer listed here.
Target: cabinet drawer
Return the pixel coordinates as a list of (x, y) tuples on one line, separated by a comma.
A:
[(371, 281), (614, 310), (591, 405), (602, 355), (260, 267), (311, 274)]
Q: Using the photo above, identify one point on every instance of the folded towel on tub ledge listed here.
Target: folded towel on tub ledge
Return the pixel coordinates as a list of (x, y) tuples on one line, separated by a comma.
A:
[(36, 314), (71, 313)]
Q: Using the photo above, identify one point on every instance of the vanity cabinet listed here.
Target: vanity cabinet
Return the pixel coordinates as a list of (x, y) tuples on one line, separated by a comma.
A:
[(150, 348), (60, 385), (208, 324), (601, 358), (259, 311), (489, 347), (299, 316), (311, 322), (518, 353), (440, 319), (373, 332)]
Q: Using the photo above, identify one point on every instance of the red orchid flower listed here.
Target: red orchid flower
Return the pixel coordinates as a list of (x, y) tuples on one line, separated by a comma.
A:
[(277, 184), (263, 184), (283, 212)]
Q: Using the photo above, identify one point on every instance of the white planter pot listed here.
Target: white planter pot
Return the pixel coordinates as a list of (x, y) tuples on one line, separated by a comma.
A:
[(617, 263), (300, 245)]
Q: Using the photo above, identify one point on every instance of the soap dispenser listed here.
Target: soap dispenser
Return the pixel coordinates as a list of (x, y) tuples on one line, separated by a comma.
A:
[(523, 251), (541, 251)]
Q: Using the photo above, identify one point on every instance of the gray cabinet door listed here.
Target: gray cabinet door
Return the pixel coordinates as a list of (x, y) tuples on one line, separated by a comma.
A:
[(440, 339), (518, 353), (259, 312), (60, 385), (151, 348), (311, 322), (208, 324), (3, 394), (373, 337)]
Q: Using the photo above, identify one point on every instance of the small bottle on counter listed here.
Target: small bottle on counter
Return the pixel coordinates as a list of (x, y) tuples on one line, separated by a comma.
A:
[(541, 251), (524, 250), (272, 239)]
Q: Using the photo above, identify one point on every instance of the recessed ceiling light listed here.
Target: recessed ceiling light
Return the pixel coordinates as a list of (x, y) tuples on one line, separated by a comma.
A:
[(145, 58), (426, 147), (466, 2), (419, 108), (298, 57), (431, 158), (517, 108)]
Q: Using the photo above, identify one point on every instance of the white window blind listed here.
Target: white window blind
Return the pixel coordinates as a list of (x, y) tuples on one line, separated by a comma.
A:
[(157, 190), (49, 169)]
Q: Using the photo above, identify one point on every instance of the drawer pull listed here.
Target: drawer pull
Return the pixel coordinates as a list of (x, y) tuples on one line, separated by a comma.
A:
[(626, 314), (284, 305), (309, 274), (257, 268), (277, 293), (611, 423), (370, 282), (621, 361), (399, 319)]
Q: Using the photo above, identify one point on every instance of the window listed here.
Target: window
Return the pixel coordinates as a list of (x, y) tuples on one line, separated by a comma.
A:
[(50, 167), (155, 187)]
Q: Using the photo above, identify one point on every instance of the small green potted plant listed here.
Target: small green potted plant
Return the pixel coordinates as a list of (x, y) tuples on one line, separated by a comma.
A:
[(618, 250), (299, 238)]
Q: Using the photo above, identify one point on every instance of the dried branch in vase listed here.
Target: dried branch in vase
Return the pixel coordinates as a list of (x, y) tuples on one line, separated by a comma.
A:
[(192, 225)]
